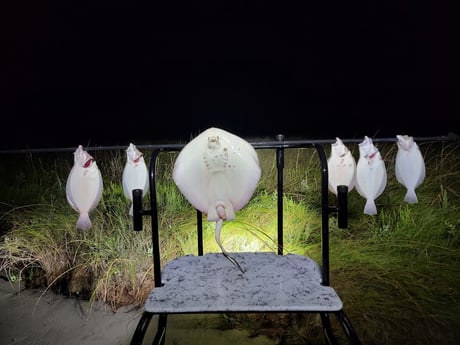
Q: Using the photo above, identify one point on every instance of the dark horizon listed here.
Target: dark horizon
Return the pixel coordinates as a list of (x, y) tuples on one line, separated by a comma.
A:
[(119, 72)]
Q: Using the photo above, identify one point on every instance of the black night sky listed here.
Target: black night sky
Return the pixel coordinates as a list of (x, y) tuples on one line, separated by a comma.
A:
[(114, 72)]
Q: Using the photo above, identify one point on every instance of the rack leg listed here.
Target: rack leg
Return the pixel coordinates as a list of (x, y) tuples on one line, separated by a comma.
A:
[(327, 329), (142, 326), (161, 330), (348, 328)]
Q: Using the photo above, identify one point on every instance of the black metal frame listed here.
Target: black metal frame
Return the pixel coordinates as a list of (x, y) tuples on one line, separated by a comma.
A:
[(279, 145)]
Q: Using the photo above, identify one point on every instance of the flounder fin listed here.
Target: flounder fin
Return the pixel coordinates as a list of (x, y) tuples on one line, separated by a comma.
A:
[(411, 197), (83, 222), (370, 207)]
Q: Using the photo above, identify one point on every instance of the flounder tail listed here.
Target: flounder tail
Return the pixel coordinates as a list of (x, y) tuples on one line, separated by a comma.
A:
[(411, 197), (84, 222), (370, 207)]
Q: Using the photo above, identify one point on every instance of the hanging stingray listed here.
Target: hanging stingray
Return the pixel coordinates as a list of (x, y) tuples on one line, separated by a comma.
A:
[(218, 173)]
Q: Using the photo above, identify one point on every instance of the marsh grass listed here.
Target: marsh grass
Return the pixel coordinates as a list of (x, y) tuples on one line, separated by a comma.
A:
[(397, 273)]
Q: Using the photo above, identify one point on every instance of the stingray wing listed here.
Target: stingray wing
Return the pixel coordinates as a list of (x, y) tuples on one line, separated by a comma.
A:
[(217, 166)]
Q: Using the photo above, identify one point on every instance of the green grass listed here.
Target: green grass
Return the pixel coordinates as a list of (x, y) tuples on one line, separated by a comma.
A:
[(397, 273)]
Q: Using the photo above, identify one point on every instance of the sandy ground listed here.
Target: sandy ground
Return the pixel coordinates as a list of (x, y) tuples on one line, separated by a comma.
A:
[(34, 317)]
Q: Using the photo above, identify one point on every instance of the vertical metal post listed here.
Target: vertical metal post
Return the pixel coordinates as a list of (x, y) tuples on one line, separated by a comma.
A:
[(137, 209), (324, 214), (280, 167), (199, 226), (154, 214), (342, 206)]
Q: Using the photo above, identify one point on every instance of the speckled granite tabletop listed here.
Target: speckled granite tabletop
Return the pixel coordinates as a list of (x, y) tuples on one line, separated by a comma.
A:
[(211, 283)]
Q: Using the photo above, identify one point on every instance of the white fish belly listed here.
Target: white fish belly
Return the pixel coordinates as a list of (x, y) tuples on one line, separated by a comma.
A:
[(84, 188), (409, 168), (371, 181), (410, 172), (234, 157), (218, 195), (342, 171), (135, 177)]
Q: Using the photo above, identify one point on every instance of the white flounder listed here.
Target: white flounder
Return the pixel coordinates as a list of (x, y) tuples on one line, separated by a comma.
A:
[(135, 174), (341, 167), (371, 175), (84, 186), (409, 166)]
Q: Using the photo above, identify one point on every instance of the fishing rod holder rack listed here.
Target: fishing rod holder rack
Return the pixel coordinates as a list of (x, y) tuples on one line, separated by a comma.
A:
[(275, 262)]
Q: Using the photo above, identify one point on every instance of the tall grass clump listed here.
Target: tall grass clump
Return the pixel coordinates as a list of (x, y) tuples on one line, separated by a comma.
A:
[(41, 246), (397, 272)]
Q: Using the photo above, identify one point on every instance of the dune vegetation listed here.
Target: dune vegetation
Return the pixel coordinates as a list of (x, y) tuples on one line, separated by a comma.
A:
[(398, 272)]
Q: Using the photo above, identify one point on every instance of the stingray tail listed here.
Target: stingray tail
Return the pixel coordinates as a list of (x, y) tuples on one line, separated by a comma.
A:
[(410, 196), (370, 207), (219, 224), (84, 222)]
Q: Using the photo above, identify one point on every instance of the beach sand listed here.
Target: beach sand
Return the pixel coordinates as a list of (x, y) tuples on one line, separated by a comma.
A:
[(36, 317)]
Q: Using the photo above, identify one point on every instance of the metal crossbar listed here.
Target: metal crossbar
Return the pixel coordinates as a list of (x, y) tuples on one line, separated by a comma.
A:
[(254, 142)]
